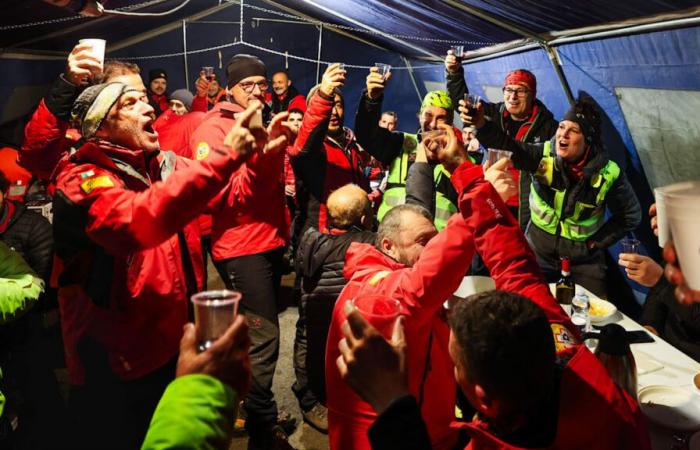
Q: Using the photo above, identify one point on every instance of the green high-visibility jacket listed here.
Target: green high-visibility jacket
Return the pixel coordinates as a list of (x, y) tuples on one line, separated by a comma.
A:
[(196, 412), (395, 193), (586, 219)]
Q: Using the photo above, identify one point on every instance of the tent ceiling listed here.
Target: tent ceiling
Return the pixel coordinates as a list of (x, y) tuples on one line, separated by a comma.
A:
[(418, 28)]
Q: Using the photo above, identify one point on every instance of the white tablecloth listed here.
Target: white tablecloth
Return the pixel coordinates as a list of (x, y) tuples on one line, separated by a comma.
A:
[(677, 369)]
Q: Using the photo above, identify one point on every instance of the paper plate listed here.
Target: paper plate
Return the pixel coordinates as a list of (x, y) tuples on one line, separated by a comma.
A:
[(601, 310), (671, 407)]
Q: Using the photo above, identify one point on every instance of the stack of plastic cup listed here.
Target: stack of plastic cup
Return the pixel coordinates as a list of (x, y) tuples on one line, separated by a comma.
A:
[(681, 213)]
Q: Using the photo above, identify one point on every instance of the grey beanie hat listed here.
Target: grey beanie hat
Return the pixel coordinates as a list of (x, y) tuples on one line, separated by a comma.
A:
[(184, 96)]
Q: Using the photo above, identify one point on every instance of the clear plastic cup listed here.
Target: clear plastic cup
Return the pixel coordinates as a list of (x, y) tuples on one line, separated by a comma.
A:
[(496, 155), (208, 72), (341, 66), (97, 48), (380, 311), (458, 51), (214, 312), (629, 245), (384, 69)]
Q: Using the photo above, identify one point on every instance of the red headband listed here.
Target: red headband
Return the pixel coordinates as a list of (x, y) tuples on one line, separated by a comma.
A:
[(521, 77)]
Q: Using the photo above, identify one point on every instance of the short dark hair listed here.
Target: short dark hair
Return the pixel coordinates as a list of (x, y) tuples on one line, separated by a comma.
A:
[(4, 182), (391, 113), (507, 347), (115, 68), (392, 220), (296, 110)]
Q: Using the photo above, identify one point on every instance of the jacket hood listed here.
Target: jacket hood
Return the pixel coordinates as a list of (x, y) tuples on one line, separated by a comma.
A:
[(364, 260)]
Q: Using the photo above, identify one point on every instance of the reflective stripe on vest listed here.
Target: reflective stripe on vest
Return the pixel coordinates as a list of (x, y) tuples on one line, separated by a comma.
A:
[(548, 217)]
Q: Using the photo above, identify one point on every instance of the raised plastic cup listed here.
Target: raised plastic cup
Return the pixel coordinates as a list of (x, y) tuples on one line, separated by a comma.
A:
[(341, 66), (472, 100), (458, 51), (380, 311), (214, 312), (208, 72), (496, 155), (97, 48), (629, 245), (384, 69)]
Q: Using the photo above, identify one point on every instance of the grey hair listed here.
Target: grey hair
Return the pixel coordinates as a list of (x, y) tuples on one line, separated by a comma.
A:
[(390, 225)]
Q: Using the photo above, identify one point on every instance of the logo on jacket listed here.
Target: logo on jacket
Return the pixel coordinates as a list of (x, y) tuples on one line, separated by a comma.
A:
[(563, 339), (202, 151), (103, 181)]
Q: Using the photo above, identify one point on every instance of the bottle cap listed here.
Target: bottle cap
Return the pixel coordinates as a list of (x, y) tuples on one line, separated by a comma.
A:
[(565, 264)]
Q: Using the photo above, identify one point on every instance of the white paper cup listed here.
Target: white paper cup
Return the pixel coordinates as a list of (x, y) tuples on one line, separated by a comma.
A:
[(664, 195), (98, 48), (686, 240)]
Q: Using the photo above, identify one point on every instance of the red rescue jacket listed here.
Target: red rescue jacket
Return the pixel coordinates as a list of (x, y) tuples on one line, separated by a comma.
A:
[(593, 413), (321, 163), (250, 216), (175, 132), (485, 224), (130, 252), (44, 144)]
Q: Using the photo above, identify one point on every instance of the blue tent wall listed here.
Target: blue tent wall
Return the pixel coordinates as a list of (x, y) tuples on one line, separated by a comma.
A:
[(296, 39)]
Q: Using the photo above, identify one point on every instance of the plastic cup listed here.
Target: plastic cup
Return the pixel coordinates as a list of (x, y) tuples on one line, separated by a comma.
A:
[(629, 245), (496, 155), (384, 69), (380, 311), (660, 195), (98, 48), (208, 72), (341, 66), (214, 312), (458, 51)]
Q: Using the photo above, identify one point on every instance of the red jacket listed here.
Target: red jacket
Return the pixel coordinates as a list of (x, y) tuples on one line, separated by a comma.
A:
[(119, 223), (484, 222), (175, 132), (250, 215), (593, 413), (321, 163), (17, 175)]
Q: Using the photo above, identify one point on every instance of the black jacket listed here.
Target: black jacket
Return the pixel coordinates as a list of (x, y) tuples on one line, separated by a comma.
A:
[(542, 128), (30, 234), (676, 323), (379, 142), (320, 259)]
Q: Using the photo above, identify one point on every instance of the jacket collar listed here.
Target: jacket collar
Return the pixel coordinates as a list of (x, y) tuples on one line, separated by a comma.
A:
[(364, 260)]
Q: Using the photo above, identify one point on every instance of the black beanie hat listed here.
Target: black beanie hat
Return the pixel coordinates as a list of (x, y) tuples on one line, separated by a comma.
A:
[(585, 115), (243, 66), (154, 74)]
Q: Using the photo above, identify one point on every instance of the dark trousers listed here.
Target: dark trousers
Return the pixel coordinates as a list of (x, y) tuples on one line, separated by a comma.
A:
[(258, 277), (114, 414), (306, 360)]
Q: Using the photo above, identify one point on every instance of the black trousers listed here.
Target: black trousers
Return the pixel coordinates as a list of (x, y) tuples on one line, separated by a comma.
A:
[(258, 277)]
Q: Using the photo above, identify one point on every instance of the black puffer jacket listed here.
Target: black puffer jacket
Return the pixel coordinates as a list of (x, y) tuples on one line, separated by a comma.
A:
[(320, 260), (30, 234)]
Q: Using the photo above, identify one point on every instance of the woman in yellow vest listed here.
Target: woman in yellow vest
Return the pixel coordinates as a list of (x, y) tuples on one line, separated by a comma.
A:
[(574, 183)]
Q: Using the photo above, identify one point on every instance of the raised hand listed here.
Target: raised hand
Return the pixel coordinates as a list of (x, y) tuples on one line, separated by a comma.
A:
[(333, 78), (82, 66), (376, 83), (241, 140), (465, 114), (501, 178), (452, 154), (451, 62), (684, 294), (202, 85)]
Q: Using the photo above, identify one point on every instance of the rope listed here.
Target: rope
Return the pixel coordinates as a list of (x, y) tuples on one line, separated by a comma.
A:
[(126, 10)]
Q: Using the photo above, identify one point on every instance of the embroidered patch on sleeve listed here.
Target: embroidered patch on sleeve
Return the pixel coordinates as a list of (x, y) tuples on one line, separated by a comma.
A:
[(563, 338), (202, 151), (378, 277), (103, 181)]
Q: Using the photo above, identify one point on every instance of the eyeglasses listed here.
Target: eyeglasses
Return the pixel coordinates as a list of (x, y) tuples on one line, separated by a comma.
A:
[(518, 92), (249, 86)]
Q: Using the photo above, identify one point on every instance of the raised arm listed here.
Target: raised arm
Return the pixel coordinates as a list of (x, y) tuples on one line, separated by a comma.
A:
[(379, 142)]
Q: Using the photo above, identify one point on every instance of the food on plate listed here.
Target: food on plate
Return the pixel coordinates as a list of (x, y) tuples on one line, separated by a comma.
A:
[(601, 308)]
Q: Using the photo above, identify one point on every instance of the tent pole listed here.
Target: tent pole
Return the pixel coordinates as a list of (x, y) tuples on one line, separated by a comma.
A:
[(184, 53), (318, 59), (556, 64), (413, 78)]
